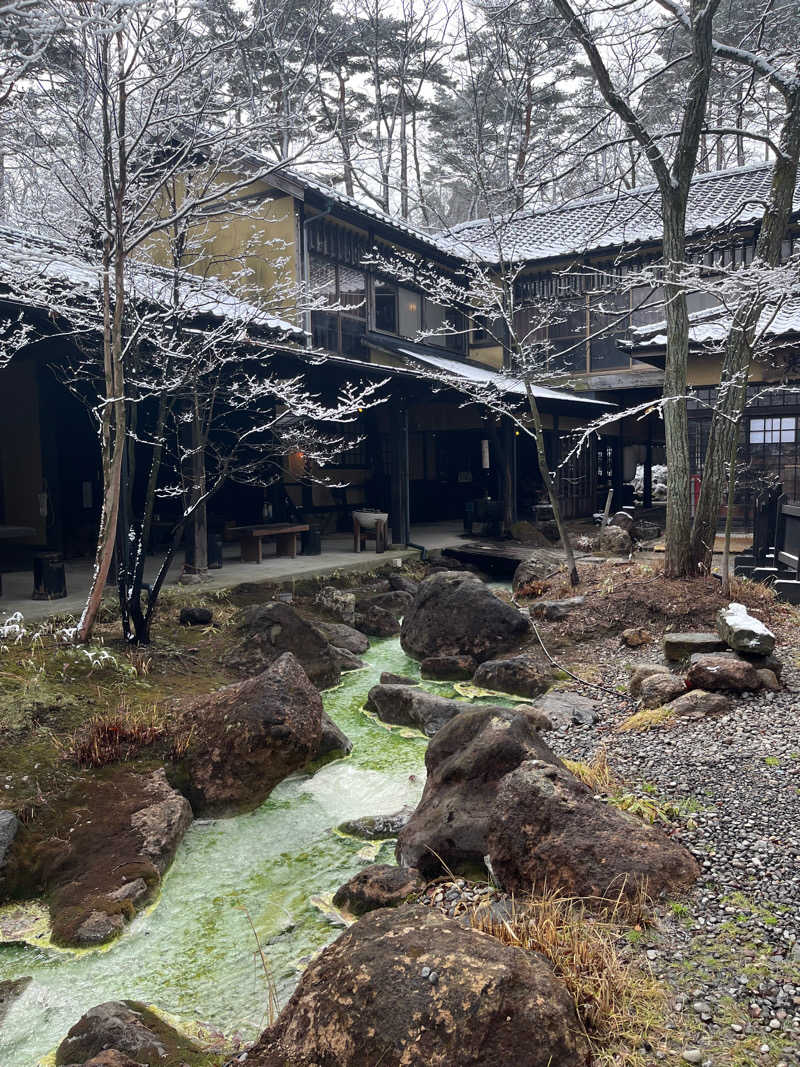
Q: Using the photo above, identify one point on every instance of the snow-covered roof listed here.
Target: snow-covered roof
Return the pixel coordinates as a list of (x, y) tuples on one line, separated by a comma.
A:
[(627, 217), (29, 263), (504, 383), (780, 325)]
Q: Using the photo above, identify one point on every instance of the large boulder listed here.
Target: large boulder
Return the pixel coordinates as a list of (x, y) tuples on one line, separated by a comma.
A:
[(403, 582), (409, 705), (342, 636), (245, 738), (447, 668), (333, 741), (396, 602), (130, 1028), (615, 541), (9, 825), (376, 621), (743, 632), (377, 827), (642, 671), (722, 670), (547, 829), (523, 676), (466, 762), (99, 852), (658, 689), (680, 646), (267, 631), (378, 886), (410, 987), (338, 603), (537, 568), (697, 703), (456, 614), (565, 708), (623, 520)]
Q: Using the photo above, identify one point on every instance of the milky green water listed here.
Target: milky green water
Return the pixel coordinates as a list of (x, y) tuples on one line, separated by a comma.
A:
[(193, 953)]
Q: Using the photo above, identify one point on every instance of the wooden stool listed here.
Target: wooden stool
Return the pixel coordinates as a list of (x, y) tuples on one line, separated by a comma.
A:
[(379, 533), (49, 579)]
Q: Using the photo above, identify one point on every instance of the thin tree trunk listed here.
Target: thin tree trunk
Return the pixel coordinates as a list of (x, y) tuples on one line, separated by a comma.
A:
[(726, 552), (677, 563), (732, 393), (550, 484)]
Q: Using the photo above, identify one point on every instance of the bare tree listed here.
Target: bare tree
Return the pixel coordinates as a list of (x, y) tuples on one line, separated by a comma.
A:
[(674, 177), (162, 106)]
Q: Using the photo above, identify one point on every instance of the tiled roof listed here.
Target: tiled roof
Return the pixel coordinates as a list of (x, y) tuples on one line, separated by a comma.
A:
[(627, 217), (30, 263), (707, 328)]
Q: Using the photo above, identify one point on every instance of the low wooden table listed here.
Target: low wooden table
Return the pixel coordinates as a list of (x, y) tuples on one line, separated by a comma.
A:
[(283, 533)]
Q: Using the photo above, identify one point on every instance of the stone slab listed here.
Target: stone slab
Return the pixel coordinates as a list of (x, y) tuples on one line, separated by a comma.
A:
[(682, 645)]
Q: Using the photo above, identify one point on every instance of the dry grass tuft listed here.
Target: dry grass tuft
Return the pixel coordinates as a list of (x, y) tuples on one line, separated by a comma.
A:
[(596, 775), (116, 736), (646, 720), (618, 1003)]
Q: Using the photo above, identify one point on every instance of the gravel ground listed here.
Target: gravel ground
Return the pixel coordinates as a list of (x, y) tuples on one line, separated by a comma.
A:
[(730, 954)]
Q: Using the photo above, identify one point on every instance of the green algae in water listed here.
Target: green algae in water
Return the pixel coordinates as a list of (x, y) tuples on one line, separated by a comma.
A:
[(194, 954)]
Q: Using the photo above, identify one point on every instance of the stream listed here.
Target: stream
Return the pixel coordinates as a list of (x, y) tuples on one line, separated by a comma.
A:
[(194, 953)]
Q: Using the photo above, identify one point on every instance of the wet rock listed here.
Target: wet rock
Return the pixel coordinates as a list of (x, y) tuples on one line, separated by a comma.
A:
[(402, 705), (466, 762), (615, 541), (111, 1057), (377, 621), (546, 828), (388, 678), (743, 632), (523, 675), (10, 991), (378, 886), (267, 631), (9, 826), (342, 636), (491, 1004), (556, 609), (105, 833), (564, 708), (196, 617), (404, 584), (658, 689), (635, 637), (98, 928), (338, 603), (346, 661), (455, 614), (539, 566), (130, 1028), (681, 646), (377, 827), (247, 737), (162, 824), (447, 668), (644, 670), (135, 891), (720, 670), (334, 742), (698, 702)]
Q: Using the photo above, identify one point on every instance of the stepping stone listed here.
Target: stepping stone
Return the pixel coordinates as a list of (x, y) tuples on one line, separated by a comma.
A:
[(682, 646)]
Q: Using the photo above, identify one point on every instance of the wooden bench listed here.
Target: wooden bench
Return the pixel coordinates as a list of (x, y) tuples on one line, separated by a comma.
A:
[(283, 533)]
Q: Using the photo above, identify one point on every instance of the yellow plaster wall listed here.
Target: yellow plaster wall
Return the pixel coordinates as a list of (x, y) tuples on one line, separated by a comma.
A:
[(487, 357)]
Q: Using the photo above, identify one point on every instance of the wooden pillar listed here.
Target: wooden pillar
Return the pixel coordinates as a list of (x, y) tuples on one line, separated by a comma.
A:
[(648, 468), (399, 490)]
